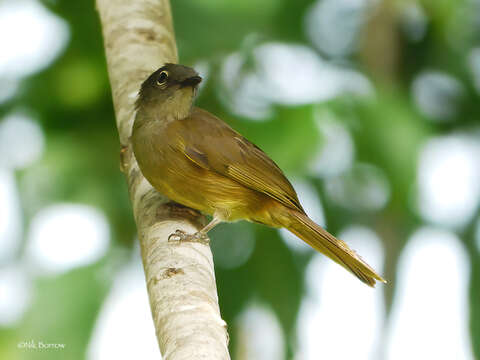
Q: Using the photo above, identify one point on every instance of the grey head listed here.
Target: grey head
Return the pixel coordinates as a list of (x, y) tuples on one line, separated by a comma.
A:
[(171, 88)]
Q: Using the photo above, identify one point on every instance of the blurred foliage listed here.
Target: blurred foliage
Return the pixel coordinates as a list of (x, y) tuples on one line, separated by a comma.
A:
[(72, 100)]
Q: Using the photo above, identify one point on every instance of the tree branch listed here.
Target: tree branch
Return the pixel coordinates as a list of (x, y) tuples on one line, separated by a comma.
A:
[(139, 38)]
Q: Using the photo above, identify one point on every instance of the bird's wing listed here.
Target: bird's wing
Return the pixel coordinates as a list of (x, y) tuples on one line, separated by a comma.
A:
[(213, 145)]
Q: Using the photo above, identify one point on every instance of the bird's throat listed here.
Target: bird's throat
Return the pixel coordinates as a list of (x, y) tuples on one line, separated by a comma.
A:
[(178, 106)]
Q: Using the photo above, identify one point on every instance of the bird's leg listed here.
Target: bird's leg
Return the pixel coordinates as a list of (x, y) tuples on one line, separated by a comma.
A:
[(199, 236)]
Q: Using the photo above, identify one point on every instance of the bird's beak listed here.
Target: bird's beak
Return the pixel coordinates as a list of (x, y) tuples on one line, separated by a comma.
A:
[(191, 81)]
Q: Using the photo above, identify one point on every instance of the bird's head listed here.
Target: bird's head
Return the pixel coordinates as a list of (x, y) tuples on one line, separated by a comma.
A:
[(171, 88)]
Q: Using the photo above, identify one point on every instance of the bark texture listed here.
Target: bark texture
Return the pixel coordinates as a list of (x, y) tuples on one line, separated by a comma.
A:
[(139, 38)]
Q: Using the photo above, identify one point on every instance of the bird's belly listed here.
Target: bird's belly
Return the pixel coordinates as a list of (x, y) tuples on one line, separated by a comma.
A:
[(207, 191)]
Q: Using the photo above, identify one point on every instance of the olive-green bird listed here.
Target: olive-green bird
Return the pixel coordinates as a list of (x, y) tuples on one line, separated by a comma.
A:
[(197, 160)]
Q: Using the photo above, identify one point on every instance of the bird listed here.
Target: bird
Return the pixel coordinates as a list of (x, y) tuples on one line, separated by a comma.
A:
[(199, 161)]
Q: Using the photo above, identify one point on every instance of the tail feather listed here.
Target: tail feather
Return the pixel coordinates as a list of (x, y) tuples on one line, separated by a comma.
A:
[(337, 250)]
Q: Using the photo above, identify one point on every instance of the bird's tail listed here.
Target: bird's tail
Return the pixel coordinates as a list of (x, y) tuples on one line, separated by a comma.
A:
[(337, 250)]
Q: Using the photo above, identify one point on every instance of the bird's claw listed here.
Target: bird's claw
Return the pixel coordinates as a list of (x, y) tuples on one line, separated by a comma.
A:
[(177, 236), (182, 236)]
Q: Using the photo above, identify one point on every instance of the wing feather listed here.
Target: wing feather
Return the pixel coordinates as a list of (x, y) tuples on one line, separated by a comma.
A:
[(221, 149)]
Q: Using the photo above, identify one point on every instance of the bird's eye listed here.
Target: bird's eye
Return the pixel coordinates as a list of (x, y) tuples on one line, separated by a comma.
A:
[(162, 78)]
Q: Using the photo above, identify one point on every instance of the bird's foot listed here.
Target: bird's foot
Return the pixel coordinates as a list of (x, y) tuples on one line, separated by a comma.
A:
[(182, 236)]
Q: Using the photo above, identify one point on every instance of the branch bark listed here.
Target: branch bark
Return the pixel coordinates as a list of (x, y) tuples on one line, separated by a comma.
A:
[(139, 38)]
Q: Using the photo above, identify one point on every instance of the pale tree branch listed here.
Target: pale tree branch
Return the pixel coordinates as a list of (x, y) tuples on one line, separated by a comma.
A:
[(139, 38)]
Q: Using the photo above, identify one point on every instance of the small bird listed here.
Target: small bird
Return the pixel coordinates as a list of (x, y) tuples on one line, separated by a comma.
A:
[(198, 161)]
